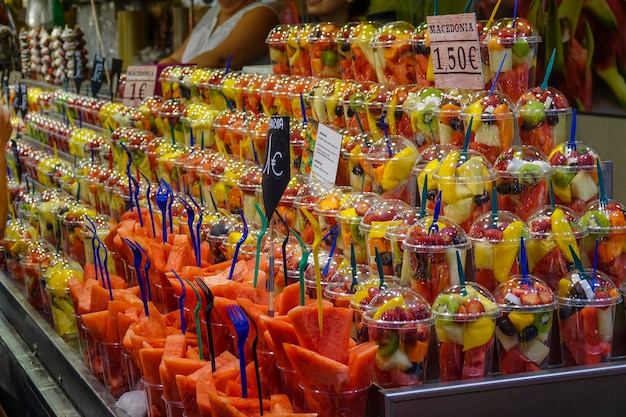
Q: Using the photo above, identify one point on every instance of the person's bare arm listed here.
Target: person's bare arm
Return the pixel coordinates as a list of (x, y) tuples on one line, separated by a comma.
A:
[(246, 42), (5, 134), (176, 56)]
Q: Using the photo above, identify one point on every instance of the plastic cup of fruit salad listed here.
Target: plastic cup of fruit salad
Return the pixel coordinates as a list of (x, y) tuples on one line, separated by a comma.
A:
[(496, 243), (465, 181), (363, 293), (374, 227), (363, 54), (353, 153), (465, 322), (249, 184), (103, 227), (515, 42), (219, 230), (425, 165), (523, 330), (605, 223), (298, 49), (396, 233), (430, 256), (308, 196), (353, 102), (328, 266), (399, 321), (29, 261), (575, 178), (522, 185), (197, 118), (543, 118), (422, 108), (323, 50), (399, 108), (492, 117), (586, 315), (339, 290), (393, 45), (450, 128), (390, 162), (553, 230), (277, 43), (349, 218), (326, 210), (424, 72), (375, 109), (344, 52), (60, 301)]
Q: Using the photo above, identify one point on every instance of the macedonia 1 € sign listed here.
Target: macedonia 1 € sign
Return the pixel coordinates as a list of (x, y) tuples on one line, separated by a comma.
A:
[(276, 172)]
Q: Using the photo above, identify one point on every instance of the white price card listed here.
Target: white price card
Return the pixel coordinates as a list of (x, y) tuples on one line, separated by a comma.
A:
[(140, 83), (326, 154), (455, 51)]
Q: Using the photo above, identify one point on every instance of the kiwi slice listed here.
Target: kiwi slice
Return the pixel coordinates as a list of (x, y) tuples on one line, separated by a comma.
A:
[(389, 345), (529, 174), (357, 236), (597, 223), (562, 178), (446, 304), (543, 321)]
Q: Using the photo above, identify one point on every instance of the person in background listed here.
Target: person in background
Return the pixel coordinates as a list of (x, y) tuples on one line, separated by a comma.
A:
[(237, 27), (337, 11), (5, 134)]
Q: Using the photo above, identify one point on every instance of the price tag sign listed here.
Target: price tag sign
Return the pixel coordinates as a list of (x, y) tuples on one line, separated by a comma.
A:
[(17, 98), (276, 174), (97, 74), (455, 51), (326, 154), (79, 70), (24, 100), (116, 71), (140, 83)]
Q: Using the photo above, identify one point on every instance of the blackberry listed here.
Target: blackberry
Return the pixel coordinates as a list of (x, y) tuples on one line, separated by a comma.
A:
[(503, 188), (385, 258), (350, 112), (339, 111), (357, 170), (456, 125), (552, 119), (516, 188), (505, 325), (432, 194), (482, 199), (528, 333)]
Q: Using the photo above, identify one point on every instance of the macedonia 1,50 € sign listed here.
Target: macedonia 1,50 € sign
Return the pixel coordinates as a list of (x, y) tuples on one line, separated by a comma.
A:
[(455, 51)]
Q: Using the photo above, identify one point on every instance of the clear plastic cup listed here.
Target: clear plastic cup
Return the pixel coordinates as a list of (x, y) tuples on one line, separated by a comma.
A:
[(399, 321), (340, 288), (492, 117), (344, 52), (393, 43), (523, 330), (17, 239), (375, 108), (363, 54), (349, 218), (374, 225), (575, 178), (496, 243), (353, 153), (513, 43), (250, 183), (424, 72), (553, 230), (331, 404), (465, 181), (326, 210), (197, 118), (113, 367), (422, 107), (586, 314), (522, 184), (396, 233), (156, 404), (544, 118), (605, 224), (450, 129), (430, 256), (425, 165), (333, 100), (323, 50), (354, 107), (298, 49), (390, 161), (308, 196), (465, 322), (277, 44), (62, 309), (399, 107)]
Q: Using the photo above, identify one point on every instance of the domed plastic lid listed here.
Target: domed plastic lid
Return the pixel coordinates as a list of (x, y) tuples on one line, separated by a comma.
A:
[(395, 306), (331, 201), (586, 289), (393, 32), (401, 223), (452, 101), (469, 168), (403, 151), (234, 172), (327, 269), (251, 179), (519, 294), (36, 252), (76, 213), (507, 29), (425, 100), (523, 162), (363, 32), (602, 218), (536, 104), (356, 206), (554, 222), (197, 112), (323, 32), (309, 194), (377, 98), (580, 157), (379, 216), (171, 108), (508, 227), (366, 290), (488, 108), (354, 96), (432, 153), (465, 302), (220, 228), (356, 146), (293, 188), (17, 229), (424, 236), (278, 35), (345, 32), (103, 224)]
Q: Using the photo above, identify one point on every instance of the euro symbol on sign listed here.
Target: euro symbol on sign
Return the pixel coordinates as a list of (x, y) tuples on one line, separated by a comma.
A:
[(271, 163)]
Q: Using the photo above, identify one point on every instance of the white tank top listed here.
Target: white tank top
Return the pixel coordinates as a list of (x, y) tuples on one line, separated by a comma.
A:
[(206, 36)]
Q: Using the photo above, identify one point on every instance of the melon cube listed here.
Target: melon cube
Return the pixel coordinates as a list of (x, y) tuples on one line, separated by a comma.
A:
[(583, 186), (487, 134)]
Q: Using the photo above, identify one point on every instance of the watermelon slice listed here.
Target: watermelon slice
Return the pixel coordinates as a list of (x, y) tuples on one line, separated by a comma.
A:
[(175, 367), (280, 332), (280, 404), (513, 362), (220, 407), (334, 339), (96, 323), (187, 389), (316, 371), (450, 361), (361, 361), (150, 359)]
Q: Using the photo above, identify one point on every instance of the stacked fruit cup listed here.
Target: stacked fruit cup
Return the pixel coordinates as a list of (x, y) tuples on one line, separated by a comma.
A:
[(492, 115), (430, 262), (422, 109), (399, 321), (575, 179), (553, 230), (218, 230), (399, 109), (354, 107), (341, 285), (523, 330), (329, 264), (362, 294), (522, 185), (103, 226), (56, 276), (390, 161), (495, 240), (29, 261), (586, 312), (334, 103), (465, 180), (344, 52), (363, 55), (425, 165), (393, 45), (250, 183), (326, 210), (167, 169), (349, 218), (292, 92), (396, 233), (298, 49), (308, 196), (375, 108), (18, 236), (197, 119), (606, 225), (213, 86), (543, 118), (49, 224), (323, 50), (189, 168), (277, 43), (317, 100), (450, 128), (424, 71), (513, 45), (465, 322)]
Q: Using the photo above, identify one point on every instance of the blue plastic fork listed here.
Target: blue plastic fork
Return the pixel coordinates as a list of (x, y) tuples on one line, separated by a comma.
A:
[(242, 328)]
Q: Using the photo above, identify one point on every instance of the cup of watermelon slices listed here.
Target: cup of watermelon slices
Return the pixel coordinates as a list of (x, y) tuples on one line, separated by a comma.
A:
[(523, 329), (399, 321), (522, 184), (430, 263), (513, 43), (113, 368), (465, 322), (496, 242), (586, 312), (156, 403)]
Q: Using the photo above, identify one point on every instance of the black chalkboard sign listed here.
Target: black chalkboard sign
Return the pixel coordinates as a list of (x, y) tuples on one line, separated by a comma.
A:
[(79, 71), (24, 100), (116, 71), (97, 74)]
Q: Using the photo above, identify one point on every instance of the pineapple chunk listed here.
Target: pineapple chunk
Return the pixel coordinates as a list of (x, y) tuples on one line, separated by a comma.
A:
[(583, 186)]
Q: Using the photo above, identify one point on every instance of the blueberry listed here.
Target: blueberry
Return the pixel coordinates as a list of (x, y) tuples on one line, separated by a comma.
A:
[(421, 49), (516, 188), (527, 126), (482, 199), (552, 119), (432, 194), (339, 111), (350, 112), (503, 188), (362, 335), (459, 239), (417, 369), (297, 162), (345, 47), (456, 125), (505, 325), (528, 334), (398, 114), (218, 229), (379, 124), (357, 170)]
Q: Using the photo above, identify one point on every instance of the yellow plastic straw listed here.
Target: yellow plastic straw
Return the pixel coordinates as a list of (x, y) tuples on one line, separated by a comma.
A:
[(317, 240), (493, 14)]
